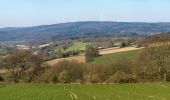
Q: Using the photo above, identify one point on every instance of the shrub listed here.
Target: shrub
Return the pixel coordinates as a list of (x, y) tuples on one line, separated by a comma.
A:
[(63, 77), (122, 77), (67, 72), (91, 78)]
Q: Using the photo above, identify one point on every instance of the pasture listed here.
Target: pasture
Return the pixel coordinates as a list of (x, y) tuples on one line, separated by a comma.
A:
[(77, 46), (116, 56), (139, 91)]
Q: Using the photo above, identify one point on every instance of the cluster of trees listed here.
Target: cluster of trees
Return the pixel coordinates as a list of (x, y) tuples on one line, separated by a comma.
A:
[(73, 72), (163, 37), (155, 63), (151, 65), (61, 54)]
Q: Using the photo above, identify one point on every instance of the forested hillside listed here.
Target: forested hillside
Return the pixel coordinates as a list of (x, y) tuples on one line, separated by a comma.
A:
[(78, 29)]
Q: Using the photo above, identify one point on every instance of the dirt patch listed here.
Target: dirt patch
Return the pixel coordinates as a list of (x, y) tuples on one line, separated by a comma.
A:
[(116, 49)]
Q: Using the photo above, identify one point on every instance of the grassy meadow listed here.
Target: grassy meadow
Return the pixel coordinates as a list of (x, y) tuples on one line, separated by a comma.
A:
[(77, 46), (116, 56), (139, 91)]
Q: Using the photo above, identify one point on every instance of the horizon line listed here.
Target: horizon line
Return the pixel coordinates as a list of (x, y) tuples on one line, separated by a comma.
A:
[(80, 22)]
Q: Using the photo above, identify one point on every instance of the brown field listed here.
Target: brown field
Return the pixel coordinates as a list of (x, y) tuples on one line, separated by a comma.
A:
[(80, 59), (117, 49)]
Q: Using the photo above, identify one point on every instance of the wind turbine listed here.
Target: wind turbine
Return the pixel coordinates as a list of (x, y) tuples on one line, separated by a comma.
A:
[(101, 18)]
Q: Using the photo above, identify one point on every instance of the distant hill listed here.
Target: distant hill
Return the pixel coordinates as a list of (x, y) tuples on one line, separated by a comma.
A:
[(75, 29)]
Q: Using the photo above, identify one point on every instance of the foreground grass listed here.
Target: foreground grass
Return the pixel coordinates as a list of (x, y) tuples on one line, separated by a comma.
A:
[(116, 56), (149, 91)]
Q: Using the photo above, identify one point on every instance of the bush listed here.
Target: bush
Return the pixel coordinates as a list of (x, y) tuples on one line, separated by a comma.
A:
[(65, 54), (91, 78), (121, 77), (60, 54), (45, 77), (63, 77), (92, 73), (66, 72)]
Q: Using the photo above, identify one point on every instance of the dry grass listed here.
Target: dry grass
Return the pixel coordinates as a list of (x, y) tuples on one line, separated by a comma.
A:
[(116, 49), (80, 59)]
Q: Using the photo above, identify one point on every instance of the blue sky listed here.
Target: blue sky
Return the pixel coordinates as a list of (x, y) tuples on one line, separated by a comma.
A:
[(15, 13)]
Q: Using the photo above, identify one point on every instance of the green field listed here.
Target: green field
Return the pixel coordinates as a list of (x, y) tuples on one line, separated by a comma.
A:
[(116, 56), (140, 91), (77, 46)]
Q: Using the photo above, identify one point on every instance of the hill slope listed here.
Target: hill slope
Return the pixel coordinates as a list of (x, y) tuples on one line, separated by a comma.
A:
[(80, 29)]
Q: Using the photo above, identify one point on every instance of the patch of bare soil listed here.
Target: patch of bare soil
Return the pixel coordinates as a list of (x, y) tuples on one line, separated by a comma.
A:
[(116, 49)]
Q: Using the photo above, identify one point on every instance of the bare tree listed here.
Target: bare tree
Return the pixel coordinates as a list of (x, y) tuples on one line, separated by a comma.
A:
[(91, 51), (19, 62), (155, 62)]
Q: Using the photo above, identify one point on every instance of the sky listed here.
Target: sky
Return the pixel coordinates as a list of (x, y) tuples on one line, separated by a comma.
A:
[(21, 13)]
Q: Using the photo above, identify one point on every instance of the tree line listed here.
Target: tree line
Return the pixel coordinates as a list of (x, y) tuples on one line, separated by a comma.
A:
[(152, 64)]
